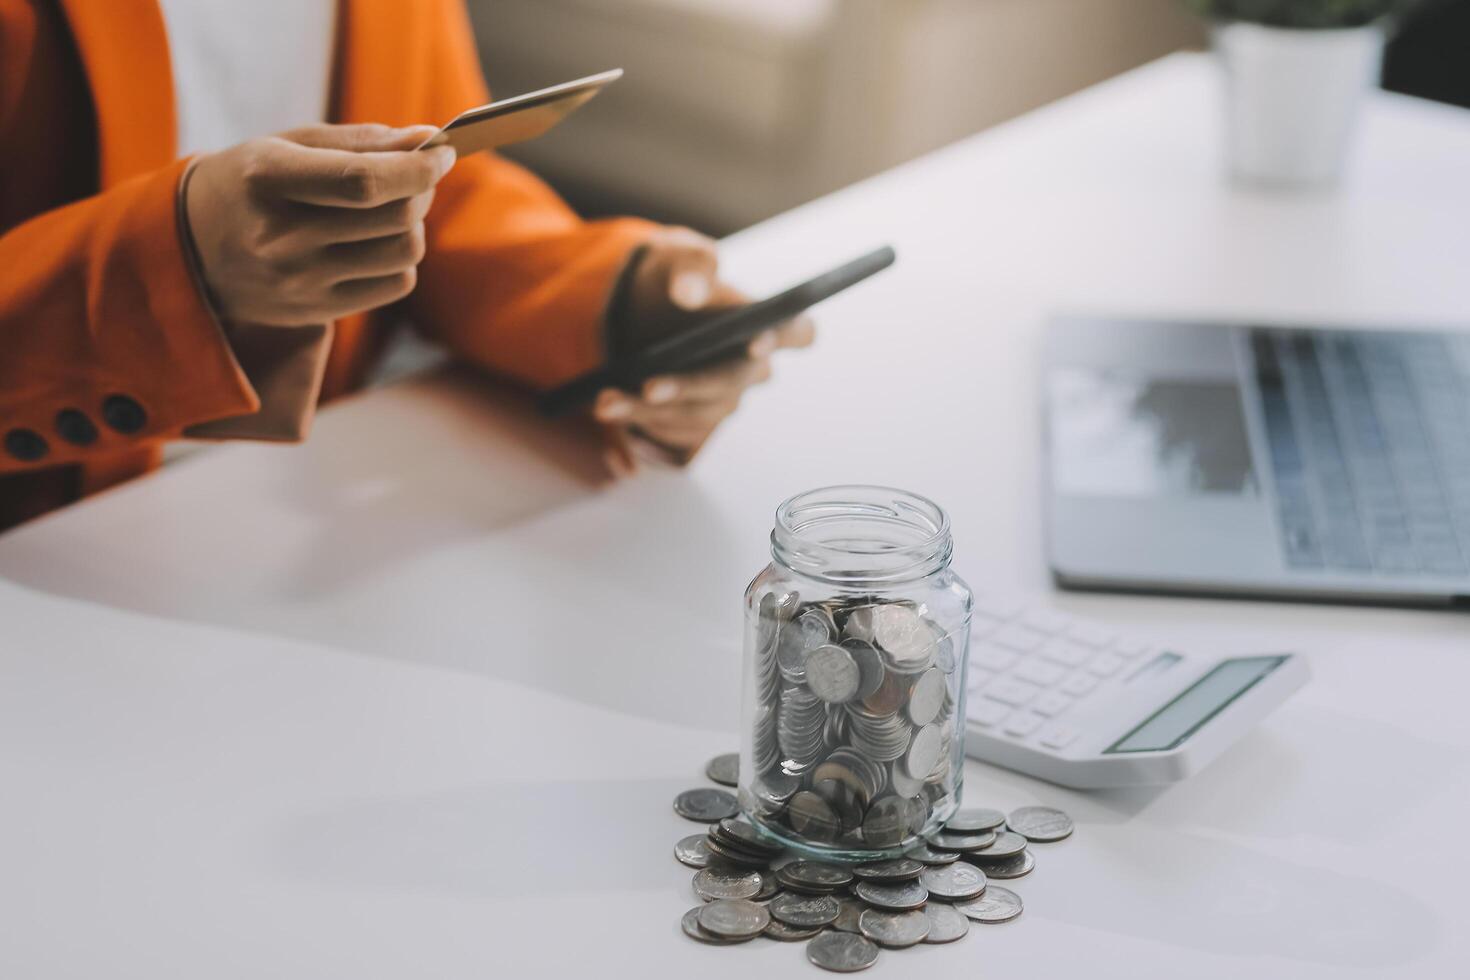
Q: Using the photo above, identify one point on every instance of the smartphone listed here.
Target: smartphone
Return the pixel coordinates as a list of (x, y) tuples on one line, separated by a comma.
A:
[(721, 336), (520, 117)]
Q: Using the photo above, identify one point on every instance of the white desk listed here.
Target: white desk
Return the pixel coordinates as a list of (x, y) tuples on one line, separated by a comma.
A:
[(413, 700)]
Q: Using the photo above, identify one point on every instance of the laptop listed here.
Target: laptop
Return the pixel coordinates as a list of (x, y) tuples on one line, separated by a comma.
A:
[(1258, 460)]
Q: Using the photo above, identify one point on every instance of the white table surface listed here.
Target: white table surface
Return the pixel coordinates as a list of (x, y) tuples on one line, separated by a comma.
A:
[(412, 700)]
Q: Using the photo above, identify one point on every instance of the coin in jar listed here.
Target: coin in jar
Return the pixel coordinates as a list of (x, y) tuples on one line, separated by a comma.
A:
[(896, 930), (869, 663), (712, 884), (1040, 823), (842, 952), (724, 769), (813, 877), (996, 905), (705, 805), (736, 856), (812, 816), (776, 929), (734, 918), (926, 697), (899, 897), (945, 923), (953, 882), (976, 820), (805, 911), (693, 851), (832, 674), (692, 929), (1015, 866), (738, 833), (886, 822), (924, 750), (894, 869)]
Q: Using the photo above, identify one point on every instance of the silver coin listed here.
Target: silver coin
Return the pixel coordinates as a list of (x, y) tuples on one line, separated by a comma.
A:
[(870, 666), (945, 923), (805, 911), (842, 952), (1015, 866), (692, 929), (894, 869), (901, 632), (811, 816), (954, 882), (776, 929), (925, 750), (931, 856), (770, 888), (813, 876), (1006, 844), (848, 914), (898, 897), (886, 823), (896, 930), (996, 905), (1040, 823), (926, 697), (945, 840), (738, 833), (903, 784), (724, 769), (693, 851), (736, 856), (733, 918), (832, 674), (975, 820), (712, 884), (705, 805)]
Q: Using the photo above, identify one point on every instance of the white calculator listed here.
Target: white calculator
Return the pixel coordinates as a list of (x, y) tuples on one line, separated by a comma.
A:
[(1075, 703)]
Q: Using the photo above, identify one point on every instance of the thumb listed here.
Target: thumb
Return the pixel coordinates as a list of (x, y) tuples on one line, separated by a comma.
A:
[(685, 261), (361, 137)]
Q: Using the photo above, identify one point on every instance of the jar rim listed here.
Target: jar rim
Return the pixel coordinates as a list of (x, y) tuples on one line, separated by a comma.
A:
[(926, 550)]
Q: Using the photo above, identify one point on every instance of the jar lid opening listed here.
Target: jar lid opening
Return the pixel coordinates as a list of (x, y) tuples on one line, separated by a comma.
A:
[(855, 534)]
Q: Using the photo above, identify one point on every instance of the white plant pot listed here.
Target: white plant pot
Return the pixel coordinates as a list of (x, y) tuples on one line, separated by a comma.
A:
[(1292, 96)]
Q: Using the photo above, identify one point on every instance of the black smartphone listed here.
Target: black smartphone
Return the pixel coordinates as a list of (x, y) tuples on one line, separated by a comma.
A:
[(721, 336)]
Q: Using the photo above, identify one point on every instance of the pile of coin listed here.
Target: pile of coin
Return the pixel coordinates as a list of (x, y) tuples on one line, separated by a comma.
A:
[(750, 885), (853, 729)]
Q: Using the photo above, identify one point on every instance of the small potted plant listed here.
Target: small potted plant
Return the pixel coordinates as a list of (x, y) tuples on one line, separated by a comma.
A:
[(1295, 73)]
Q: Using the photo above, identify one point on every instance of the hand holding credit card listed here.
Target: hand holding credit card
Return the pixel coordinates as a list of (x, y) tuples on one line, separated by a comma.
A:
[(519, 118)]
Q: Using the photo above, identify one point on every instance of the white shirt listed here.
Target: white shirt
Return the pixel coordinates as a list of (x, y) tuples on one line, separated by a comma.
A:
[(248, 68)]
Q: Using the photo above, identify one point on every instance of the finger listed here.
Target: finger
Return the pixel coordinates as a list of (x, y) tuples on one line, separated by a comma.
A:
[(619, 456), (360, 137), (341, 178), (800, 331), (681, 265), (319, 226), (679, 420), (710, 384), (356, 295), (374, 257)]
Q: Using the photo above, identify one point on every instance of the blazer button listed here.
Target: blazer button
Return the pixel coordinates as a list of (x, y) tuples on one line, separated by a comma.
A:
[(124, 415), (25, 445), (75, 427)]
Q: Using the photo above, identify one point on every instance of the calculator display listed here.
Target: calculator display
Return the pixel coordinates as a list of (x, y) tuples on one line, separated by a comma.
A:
[(1168, 727)]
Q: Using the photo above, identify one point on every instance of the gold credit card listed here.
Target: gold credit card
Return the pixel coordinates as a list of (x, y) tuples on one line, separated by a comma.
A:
[(520, 118)]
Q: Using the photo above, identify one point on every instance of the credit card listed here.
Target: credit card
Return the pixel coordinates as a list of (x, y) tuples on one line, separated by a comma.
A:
[(520, 118)]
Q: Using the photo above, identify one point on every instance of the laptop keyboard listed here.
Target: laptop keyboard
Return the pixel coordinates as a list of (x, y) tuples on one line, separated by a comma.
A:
[(1370, 448)]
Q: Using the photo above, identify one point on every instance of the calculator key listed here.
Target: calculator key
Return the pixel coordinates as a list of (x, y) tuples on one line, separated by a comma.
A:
[(1046, 620), (998, 606), (1011, 691), (977, 678), (1018, 638), (1023, 723), (1129, 648), (1104, 665), (1051, 703), (1039, 672), (1091, 634), (1058, 738), (1079, 684), (1066, 652), (992, 657), (985, 712)]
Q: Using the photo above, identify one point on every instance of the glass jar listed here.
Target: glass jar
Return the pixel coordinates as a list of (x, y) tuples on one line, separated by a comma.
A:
[(854, 675)]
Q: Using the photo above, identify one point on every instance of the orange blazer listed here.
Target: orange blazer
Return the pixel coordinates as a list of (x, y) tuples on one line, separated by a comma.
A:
[(108, 349)]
